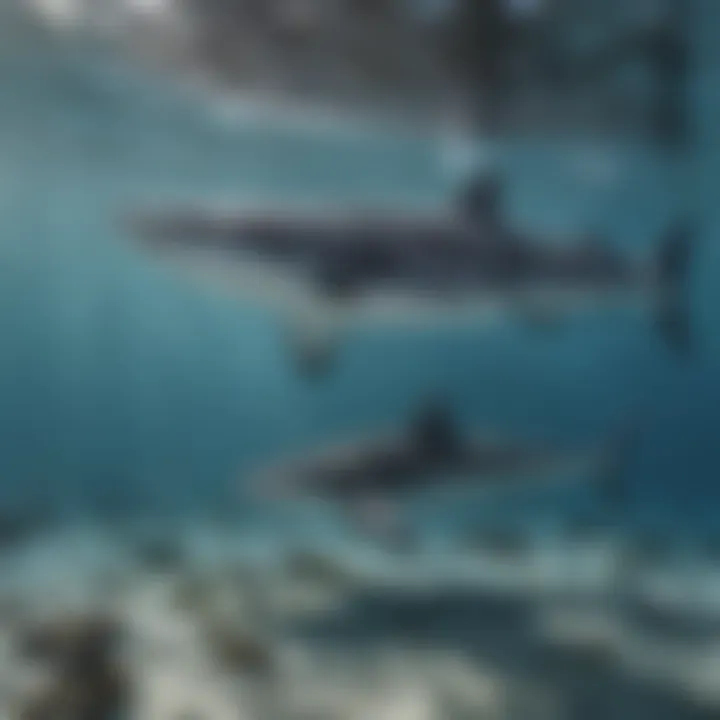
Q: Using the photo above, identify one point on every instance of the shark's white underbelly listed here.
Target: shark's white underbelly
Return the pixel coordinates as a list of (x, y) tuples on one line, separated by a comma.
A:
[(293, 295)]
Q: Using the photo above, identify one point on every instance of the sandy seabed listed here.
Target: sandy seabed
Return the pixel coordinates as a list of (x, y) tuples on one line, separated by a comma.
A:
[(202, 620)]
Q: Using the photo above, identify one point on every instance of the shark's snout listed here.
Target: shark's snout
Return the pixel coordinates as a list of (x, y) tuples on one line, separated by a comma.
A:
[(273, 487), (168, 231)]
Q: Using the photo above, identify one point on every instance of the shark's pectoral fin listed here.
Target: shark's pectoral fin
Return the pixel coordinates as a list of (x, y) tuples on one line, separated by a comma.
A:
[(314, 338)]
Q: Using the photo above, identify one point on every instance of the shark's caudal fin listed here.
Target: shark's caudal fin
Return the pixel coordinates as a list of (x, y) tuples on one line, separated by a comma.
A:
[(613, 478), (672, 310)]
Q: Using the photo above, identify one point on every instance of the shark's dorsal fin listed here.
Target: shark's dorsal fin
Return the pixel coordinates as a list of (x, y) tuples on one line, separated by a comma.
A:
[(480, 199), (434, 431)]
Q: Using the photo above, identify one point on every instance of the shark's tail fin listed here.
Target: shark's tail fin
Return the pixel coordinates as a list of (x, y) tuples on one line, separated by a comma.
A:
[(613, 478), (672, 310)]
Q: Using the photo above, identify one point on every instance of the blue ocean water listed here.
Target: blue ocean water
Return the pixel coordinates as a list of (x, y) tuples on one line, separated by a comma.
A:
[(120, 383)]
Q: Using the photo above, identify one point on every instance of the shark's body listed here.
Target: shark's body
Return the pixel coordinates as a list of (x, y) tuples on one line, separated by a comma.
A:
[(327, 270), (430, 454)]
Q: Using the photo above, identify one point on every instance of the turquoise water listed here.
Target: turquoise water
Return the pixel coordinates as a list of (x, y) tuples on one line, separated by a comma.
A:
[(122, 384)]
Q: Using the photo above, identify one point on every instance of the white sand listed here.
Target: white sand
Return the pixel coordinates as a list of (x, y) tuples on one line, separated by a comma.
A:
[(174, 670)]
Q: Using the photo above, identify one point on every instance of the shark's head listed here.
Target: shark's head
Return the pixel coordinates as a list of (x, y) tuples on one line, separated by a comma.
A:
[(167, 232), (206, 248)]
